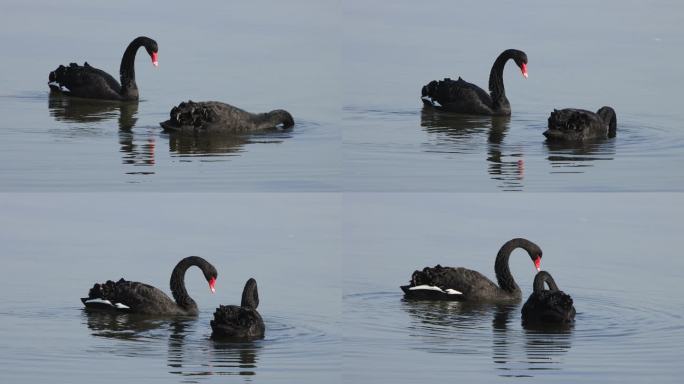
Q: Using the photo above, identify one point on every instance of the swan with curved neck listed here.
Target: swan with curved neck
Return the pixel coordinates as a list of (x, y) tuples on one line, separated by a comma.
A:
[(461, 284), (132, 296), (242, 322), (462, 97), (206, 117), (573, 124), (89, 82), (548, 305)]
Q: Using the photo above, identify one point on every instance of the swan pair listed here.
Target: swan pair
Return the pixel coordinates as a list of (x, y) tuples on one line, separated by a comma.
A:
[(569, 124), (230, 321), (461, 284), (209, 117)]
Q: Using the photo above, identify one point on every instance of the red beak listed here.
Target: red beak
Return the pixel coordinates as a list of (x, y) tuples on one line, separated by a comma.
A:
[(523, 68), (212, 282), (537, 263), (155, 62)]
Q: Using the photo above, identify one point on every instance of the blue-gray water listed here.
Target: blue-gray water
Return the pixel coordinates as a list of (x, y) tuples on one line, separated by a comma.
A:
[(313, 212)]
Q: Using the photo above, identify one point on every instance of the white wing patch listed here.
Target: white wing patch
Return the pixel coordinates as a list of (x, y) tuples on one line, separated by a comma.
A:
[(448, 291), (107, 302)]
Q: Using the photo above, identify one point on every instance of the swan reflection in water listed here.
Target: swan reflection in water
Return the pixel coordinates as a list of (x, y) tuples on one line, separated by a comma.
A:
[(456, 133), (572, 157), (86, 112), (217, 144), (190, 351), (544, 346), (76, 110), (459, 327)]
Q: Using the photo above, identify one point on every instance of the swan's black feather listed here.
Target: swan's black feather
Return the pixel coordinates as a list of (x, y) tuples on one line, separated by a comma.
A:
[(87, 81), (472, 285), (146, 299), (572, 124), (232, 322), (214, 117), (548, 305), (461, 96)]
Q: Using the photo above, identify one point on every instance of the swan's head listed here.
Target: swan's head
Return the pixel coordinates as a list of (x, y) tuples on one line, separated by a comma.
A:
[(152, 50), (211, 274), (520, 59), (535, 254)]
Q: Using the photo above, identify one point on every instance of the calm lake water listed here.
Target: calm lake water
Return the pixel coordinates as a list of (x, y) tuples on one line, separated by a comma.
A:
[(54, 247)]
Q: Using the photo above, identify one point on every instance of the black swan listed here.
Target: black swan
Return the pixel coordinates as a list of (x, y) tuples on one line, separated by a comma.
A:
[(547, 305), (132, 296), (239, 323), (215, 117), (578, 124), (461, 284), (89, 82), (463, 97)]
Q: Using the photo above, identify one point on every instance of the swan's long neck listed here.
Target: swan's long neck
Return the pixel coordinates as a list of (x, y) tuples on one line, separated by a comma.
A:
[(127, 69), (250, 295), (180, 294), (607, 114), (273, 119), (496, 86), (503, 272), (541, 278)]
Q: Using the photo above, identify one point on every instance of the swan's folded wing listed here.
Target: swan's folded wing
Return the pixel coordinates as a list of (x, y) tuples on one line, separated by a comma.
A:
[(84, 80)]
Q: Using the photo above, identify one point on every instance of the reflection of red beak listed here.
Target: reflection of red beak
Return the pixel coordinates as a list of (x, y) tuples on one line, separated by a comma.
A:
[(537, 263), (523, 68), (212, 282), (155, 62)]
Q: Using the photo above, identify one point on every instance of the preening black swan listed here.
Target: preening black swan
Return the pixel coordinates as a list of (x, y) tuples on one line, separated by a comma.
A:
[(463, 97), (578, 124), (89, 82), (215, 117), (547, 305), (461, 284), (239, 323), (131, 296)]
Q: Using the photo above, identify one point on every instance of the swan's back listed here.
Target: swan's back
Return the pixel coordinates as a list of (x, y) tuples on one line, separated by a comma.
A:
[(214, 117), (132, 296), (236, 322), (84, 81), (573, 124), (457, 96), (470, 285)]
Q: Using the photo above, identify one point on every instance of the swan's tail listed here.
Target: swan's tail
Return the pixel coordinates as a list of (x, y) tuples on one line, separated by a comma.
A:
[(429, 93), (187, 114), (61, 78), (109, 291), (608, 116)]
